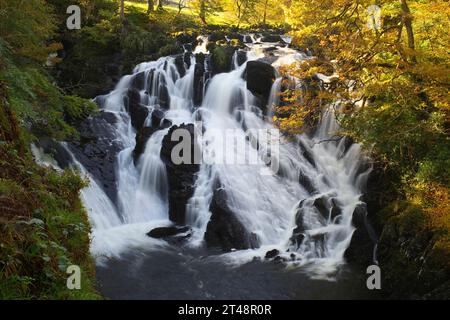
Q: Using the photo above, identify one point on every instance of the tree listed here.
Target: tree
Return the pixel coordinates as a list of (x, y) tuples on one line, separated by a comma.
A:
[(181, 5), (122, 10), (205, 8), (151, 6), (160, 4), (244, 8), (392, 85)]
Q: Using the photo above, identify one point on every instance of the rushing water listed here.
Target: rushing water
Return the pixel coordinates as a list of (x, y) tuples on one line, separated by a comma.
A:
[(265, 203)]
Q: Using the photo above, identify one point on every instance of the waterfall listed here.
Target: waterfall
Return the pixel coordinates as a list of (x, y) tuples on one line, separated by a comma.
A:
[(319, 181)]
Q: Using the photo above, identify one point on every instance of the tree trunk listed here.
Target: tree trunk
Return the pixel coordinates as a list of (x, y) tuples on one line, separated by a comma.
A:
[(122, 10), (202, 14), (265, 11), (151, 6), (160, 4), (407, 21)]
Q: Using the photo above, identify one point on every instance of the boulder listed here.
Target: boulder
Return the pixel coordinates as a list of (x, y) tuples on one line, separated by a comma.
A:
[(96, 149), (364, 239), (175, 234), (260, 77), (221, 59), (271, 38), (158, 122), (142, 136), (181, 177), (138, 81), (216, 36), (272, 254), (224, 229), (241, 57), (323, 206), (137, 111)]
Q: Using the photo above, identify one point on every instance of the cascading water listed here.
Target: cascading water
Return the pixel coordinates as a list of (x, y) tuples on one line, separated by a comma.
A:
[(280, 210)]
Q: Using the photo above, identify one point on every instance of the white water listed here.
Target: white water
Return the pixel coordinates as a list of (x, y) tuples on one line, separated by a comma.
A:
[(266, 204)]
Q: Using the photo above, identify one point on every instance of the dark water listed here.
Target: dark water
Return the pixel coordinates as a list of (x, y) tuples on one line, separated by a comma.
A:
[(188, 275)]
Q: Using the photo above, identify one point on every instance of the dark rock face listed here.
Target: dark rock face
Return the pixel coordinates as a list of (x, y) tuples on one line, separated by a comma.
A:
[(158, 122), (306, 183), (260, 77), (181, 176), (361, 248), (137, 111), (138, 81), (180, 64), (97, 150), (142, 136), (221, 59), (199, 78), (307, 153), (298, 233), (216, 36), (271, 38), (57, 151), (224, 230), (175, 235), (241, 57), (163, 95), (272, 254)]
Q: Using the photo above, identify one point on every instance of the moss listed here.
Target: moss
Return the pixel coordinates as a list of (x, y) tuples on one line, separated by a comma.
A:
[(44, 229), (43, 226)]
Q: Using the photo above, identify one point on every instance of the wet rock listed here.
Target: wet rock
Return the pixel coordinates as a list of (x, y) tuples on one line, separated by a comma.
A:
[(298, 233), (150, 76), (271, 38), (175, 235), (181, 177), (306, 183), (199, 71), (62, 157), (335, 209), (142, 136), (163, 96), (158, 122), (247, 39), (216, 36), (138, 81), (272, 254), (221, 59), (96, 148), (164, 232), (224, 229), (364, 239), (322, 205), (137, 111), (307, 153), (260, 77), (180, 64), (241, 57)]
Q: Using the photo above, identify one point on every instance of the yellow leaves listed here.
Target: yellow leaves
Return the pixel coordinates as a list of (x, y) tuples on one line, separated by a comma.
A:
[(294, 122)]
